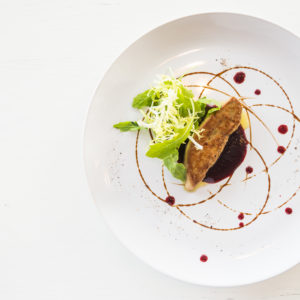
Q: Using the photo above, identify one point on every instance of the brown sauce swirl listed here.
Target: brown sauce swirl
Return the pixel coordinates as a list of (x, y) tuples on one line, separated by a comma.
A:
[(169, 199)]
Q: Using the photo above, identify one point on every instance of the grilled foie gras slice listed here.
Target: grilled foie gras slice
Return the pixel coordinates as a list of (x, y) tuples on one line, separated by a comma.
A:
[(216, 131)]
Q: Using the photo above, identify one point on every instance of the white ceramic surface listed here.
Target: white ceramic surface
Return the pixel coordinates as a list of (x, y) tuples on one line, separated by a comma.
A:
[(158, 233)]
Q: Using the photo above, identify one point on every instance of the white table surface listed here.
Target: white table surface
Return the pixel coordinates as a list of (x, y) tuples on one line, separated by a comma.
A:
[(53, 242)]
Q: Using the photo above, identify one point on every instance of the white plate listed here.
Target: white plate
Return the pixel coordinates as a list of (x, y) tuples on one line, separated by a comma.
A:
[(158, 233)]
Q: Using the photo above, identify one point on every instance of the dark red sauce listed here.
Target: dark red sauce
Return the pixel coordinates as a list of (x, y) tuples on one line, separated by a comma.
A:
[(232, 156), (181, 151), (239, 77), (249, 170), (241, 216), (170, 200), (288, 210), (203, 258), (257, 92), (283, 129), (281, 149), (241, 224)]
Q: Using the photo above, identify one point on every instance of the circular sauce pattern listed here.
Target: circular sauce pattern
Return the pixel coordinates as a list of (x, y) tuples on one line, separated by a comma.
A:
[(238, 78)]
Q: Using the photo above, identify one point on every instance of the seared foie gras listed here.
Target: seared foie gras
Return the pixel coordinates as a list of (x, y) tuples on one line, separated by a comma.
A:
[(214, 136)]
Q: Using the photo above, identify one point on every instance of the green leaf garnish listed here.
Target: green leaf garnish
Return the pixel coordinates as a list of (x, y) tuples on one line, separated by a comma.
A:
[(178, 170), (127, 126), (210, 102), (172, 114), (184, 102), (163, 149), (211, 111), (143, 100)]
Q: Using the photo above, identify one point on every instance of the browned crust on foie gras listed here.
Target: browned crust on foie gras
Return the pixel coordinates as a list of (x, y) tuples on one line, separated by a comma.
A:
[(214, 136)]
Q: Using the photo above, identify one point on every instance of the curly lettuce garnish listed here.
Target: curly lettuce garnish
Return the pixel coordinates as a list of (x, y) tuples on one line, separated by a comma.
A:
[(170, 111)]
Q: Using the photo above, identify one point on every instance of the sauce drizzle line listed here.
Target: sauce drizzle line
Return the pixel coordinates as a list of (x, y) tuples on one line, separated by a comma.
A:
[(279, 107), (139, 169), (218, 75), (281, 88), (265, 212)]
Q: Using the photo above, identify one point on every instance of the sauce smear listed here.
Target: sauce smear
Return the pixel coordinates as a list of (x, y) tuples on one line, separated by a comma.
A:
[(232, 156)]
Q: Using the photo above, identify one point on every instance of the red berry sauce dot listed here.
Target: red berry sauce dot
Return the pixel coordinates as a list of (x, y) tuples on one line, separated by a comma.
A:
[(241, 216), (170, 200), (203, 258), (257, 92), (281, 149), (249, 170), (239, 77), (283, 129), (241, 224), (288, 211)]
